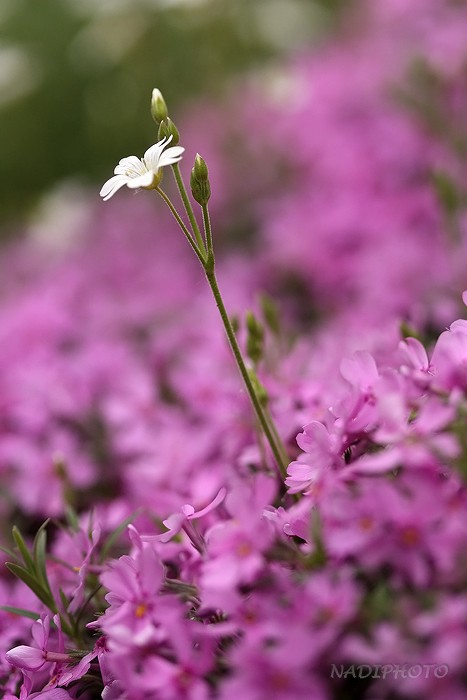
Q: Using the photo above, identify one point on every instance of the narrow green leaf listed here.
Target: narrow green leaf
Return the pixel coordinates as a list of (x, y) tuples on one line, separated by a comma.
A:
[(72, 517), (8, 552), (20, 611), (31, 582), (40, 543), (64, 599), (21, 544)]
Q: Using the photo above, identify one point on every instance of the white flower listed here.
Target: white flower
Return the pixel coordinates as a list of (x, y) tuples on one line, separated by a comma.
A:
[(135, 173)]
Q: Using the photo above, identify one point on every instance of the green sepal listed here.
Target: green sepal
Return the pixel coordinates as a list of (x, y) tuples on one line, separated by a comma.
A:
[(168, 129)]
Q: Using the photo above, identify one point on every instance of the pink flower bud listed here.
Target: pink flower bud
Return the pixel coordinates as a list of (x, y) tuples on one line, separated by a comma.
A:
[(26, 658)]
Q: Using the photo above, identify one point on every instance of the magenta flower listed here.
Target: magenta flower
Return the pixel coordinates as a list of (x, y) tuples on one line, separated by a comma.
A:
[(323, 452), (416, 363), (449, 358), (35, 658), (27, 658), (180, 521), (63, 668), (133, 583), (88, 543)]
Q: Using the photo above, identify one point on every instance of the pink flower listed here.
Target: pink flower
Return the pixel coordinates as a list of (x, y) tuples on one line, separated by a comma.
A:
[(63, 668), (449, 358), (418, 443), (35, 658), (179, 521), (323, 452), (417, 365), (134, 583), (88, 543), (235, 547), (27, 658)]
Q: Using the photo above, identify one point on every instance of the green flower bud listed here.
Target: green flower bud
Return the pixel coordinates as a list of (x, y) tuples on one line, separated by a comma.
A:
[(159, 110), (270, 314), (255, 338), (260, 390), (235, 323), (200, 169), (254, 327), (167, 128), (199, 181)]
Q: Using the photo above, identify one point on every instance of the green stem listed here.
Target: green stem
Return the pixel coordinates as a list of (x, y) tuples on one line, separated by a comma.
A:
[(206, 257), (188, 208), (199, 254), (277, 438), (245, 376), (207, 229)]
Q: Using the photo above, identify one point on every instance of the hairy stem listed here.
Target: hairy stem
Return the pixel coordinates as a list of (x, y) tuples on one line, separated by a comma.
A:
[(188, 208), (259, 410), (199, 253)]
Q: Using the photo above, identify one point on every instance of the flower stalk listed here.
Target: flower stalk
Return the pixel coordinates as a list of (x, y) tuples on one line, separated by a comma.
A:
[(146, 173), (270, 434), (188, 207)]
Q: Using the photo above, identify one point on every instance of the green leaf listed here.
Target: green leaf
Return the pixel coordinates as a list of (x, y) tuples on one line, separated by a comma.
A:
[(31, 582), (64, 599), (20, 543), (8, 552), (20, 611), (72, 518), (39, 551)]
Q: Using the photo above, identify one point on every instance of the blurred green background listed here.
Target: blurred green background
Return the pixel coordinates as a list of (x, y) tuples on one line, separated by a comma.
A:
[(76, 76)]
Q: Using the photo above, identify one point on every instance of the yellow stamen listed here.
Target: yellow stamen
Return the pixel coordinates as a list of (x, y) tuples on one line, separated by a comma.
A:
[(140, 610)]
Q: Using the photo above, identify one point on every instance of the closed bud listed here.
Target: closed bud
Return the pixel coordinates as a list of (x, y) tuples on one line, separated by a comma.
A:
[(199, 181), (26, 658), (260, 390), (235, 323), (270, 314), (200, 169), (255, 338), (166, 129), (159, 110), (254, 326)]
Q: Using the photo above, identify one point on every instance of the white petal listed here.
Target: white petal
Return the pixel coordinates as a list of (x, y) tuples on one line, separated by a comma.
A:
[(131, 166), (171, 155), (144, 180), (111, 186), (153, 154)]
